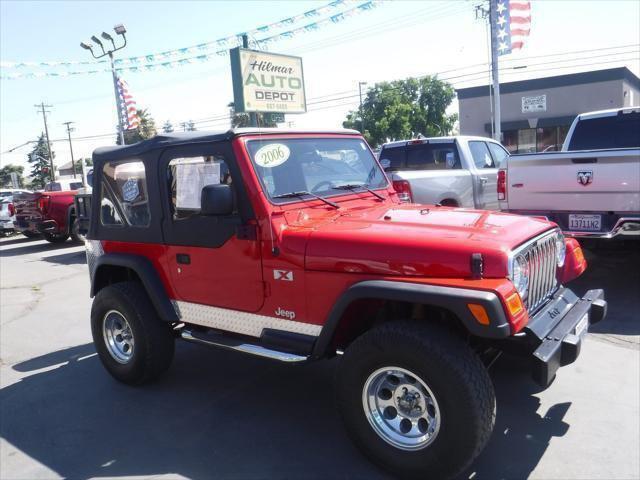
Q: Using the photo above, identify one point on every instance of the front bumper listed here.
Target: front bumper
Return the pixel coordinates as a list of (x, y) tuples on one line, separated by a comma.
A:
[(557, 331)]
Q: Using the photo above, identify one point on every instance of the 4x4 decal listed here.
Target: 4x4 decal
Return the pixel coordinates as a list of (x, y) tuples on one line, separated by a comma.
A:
[(284, 275)]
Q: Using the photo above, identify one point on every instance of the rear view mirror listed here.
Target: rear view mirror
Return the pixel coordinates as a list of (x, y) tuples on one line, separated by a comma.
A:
[(216, 200)]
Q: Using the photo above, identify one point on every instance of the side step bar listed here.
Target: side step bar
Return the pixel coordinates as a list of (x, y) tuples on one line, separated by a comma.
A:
[(217, 340)]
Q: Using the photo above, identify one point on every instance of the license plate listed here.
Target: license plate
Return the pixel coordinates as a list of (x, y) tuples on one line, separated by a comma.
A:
[(582, 325), (587, 223)]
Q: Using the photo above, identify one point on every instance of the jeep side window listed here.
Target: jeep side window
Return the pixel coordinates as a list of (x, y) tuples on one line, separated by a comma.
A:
[(187, 176), (481, 156), (432, 156), (124, 198)]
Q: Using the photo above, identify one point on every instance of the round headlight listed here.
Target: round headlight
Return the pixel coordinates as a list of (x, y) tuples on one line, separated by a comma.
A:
[(520, 275), (561, 249)]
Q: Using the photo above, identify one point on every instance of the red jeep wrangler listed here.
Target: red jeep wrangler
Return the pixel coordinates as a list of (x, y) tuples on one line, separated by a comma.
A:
[(293, 246)]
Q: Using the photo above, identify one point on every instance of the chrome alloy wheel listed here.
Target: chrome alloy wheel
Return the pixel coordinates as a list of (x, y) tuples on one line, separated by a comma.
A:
[(401, 408), (118, 336)]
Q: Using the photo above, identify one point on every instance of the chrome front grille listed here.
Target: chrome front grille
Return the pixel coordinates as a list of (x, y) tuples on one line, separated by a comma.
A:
[(540, 256)]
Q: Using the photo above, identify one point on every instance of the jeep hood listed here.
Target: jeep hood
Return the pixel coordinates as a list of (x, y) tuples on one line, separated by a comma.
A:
[(418, 240)]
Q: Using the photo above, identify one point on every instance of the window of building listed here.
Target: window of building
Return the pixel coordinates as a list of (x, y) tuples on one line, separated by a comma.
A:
[(124, 198), (510, 140), (188, 176), (547, 139), (527, 140)]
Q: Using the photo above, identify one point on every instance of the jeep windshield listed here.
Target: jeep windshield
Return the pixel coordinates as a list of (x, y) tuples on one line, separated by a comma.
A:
[(320, 166)]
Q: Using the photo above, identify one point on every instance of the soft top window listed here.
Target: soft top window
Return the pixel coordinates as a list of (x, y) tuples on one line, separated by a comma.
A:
[(124, 199)]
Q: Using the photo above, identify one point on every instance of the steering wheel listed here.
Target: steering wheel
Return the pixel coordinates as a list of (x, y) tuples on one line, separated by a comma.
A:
[(317, 187)]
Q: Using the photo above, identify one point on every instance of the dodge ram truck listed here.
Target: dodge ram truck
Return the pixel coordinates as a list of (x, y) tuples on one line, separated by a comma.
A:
[(294, 247), (591, 189)]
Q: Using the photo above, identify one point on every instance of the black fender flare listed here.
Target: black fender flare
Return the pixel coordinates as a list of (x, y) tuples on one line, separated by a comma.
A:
[(453, 299), (148, 275)]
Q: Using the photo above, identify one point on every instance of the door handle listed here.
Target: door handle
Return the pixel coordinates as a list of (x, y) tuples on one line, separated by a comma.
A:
[(484, 180), (183, 258)]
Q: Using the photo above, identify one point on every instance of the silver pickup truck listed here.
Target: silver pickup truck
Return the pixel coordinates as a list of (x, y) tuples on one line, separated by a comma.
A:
[(591, 188), (458, 171)]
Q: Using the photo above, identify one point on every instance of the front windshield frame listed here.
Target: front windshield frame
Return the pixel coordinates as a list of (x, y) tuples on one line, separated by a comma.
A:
[(266, 140)]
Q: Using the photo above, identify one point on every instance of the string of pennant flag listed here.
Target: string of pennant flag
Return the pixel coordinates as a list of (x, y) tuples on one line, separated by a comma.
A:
[(197, 53)]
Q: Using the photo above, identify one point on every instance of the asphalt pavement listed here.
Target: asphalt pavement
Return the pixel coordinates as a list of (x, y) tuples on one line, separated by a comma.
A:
[(223, 415)]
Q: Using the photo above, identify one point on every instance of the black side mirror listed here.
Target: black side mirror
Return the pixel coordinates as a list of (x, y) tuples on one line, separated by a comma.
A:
[(216, 200)]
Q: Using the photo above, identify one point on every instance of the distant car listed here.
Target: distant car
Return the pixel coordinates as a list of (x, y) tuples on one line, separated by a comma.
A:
[(8, 210), (7, 215), (458, 171), (64, 185)]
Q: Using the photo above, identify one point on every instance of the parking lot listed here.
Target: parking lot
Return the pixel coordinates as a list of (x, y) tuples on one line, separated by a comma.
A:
[(222, 415)]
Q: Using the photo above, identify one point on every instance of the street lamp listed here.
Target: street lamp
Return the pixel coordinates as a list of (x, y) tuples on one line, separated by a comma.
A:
[(360, 84), (120, 30)]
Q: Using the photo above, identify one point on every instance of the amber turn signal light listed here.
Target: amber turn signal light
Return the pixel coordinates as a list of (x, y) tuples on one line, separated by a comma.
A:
[(479, 313), (514, 304)]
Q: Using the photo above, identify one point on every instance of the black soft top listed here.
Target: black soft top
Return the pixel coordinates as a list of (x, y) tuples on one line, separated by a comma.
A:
[(165, 140)]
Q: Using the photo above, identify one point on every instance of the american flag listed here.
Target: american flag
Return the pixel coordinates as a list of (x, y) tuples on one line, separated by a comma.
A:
[(128, 109), (513, 24)]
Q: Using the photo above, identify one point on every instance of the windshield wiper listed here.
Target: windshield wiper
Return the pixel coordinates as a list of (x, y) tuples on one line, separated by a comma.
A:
[(302, 193), (353, 186)]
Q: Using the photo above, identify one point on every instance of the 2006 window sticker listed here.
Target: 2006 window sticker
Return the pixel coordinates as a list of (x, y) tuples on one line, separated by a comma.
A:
[(272, 155)]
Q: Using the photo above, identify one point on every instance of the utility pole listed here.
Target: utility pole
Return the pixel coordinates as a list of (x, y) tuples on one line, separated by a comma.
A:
[(253, 116), (42, 107), (69, 130), (493, 22), (360, 84)]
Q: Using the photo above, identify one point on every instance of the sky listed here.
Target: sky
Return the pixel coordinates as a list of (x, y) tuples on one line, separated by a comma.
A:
[(396, 40)]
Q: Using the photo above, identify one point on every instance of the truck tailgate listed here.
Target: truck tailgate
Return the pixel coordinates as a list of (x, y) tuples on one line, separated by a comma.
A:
[(590, 180), (26, 205)]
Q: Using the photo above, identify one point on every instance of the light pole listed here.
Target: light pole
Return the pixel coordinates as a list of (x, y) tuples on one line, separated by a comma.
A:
[(120, 30), (69, 130), (360, 84)]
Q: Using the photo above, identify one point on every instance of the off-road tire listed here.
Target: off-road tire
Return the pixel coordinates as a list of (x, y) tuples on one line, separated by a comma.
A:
[(55, 237), (76, 237), (29, 234), (154, 339), (455, 375)]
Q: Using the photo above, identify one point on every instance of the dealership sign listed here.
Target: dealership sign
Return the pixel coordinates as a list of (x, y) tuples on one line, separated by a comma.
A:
[(267, 82), (534, 104)]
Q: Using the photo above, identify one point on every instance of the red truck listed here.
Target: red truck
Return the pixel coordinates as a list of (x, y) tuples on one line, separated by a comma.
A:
[(49, 213), (294, 247)]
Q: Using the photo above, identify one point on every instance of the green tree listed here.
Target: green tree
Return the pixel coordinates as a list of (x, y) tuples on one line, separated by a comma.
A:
[(146, 129), (5, 175), (404, 109), (88, 162), (40, 163), (191, 126), (239, 120), (167, 127)]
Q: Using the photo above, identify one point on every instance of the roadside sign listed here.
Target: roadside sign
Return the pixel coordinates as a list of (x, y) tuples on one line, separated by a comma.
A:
[(267, 82), (534, 104), (274, 117)]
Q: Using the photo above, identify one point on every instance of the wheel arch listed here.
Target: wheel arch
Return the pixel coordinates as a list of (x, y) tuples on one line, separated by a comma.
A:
[(450, 302), (118, 267)]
